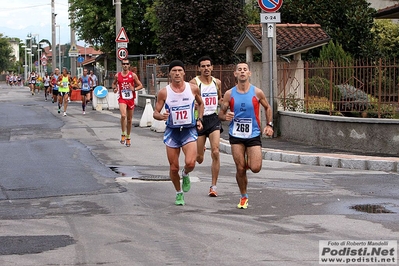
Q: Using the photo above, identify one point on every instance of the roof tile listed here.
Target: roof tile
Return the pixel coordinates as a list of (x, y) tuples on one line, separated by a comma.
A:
[(291, 37)]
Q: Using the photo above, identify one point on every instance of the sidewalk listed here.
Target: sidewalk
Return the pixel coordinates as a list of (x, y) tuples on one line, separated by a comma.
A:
[(278, 149)]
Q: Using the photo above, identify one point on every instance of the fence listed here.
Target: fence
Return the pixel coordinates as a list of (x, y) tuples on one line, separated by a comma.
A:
[(359, 88), (156, 73)]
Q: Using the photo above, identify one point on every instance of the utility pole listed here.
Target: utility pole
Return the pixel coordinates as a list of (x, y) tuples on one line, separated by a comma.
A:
[(118, 28), (73, 44), (53, 44)]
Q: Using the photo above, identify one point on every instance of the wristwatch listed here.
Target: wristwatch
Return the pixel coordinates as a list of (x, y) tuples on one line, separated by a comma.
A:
[(270, 124), (200, 119)]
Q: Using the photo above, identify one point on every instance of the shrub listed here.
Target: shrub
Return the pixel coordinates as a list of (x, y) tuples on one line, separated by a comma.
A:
[(386, 110), (320, 87), (315, 104), (352, 99), (292, 103)]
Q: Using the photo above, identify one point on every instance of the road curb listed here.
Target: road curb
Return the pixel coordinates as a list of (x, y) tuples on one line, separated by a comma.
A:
[(343, 161)]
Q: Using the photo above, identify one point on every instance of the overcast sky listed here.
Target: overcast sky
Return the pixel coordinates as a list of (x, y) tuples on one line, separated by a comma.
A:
[(18, 18)]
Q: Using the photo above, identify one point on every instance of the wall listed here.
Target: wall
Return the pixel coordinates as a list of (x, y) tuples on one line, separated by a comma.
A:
[(379, 4), (368, 135)]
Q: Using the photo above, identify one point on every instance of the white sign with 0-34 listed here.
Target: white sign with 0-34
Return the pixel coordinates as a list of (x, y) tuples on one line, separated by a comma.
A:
[(270, 17)]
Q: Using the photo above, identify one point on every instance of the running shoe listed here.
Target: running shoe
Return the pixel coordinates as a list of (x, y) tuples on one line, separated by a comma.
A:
[(243, 203), (59, 110), (84, 112), (123, 139), (127, 143), (212, 192), (65, 114), (52, 100), (179, 199), (186, 182)]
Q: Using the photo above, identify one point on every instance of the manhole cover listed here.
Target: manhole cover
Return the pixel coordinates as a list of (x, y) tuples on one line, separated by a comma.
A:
[(371, 208), (153, 178), (127, 171)]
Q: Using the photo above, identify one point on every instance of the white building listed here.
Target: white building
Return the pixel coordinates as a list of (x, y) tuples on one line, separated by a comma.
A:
[(15, 48)]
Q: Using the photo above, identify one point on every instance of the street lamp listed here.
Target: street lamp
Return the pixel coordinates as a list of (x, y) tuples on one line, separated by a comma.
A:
[(34, 46), (28, 51), (30, 62), (39, 52), (25, 72), (42, 67), (59, 44), (37, 42)]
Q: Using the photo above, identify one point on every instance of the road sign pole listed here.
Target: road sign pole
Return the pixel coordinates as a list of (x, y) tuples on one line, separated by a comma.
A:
[(269, 51), (271, 27), (118, 27), (269, 65)]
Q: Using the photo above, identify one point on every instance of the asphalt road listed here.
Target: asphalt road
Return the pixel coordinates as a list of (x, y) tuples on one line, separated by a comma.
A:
[(70, 194)]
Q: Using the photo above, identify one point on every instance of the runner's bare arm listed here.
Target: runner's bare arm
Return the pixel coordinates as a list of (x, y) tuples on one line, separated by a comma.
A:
[(224, 114), (268, 130), (160, 102), (114, 83), (137, 82), (199, 104)]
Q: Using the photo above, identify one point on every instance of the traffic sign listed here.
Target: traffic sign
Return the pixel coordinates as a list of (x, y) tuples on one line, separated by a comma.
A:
[(270, 5), (44, 57), (100, 91), (73, 51), (80, 59), (122, 53), (122, 36), (270, 17), (44, 62), (270, 30), (121, 44)]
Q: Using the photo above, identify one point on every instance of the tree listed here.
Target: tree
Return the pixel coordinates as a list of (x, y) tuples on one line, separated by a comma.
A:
[(387, 38), (348, 22), (5, 53), (94, 22), (187, 30), (252, 11)]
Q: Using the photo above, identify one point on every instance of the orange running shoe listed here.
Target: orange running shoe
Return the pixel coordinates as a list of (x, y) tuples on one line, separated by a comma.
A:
[(123, 139), (243, 203), (127, 142)]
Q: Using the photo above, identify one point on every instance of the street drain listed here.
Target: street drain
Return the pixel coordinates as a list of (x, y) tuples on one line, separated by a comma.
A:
[(115, 169), (128, 171), (371, 208), (153, 178)]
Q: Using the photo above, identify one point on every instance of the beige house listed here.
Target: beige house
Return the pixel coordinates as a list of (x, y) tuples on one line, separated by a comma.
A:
[(291, 40), (390, 12)]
